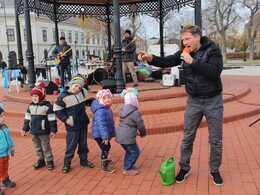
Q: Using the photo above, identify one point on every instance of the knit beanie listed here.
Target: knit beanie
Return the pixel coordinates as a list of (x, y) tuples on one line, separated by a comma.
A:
[(1, 110), (77, 79), (101, 94), (39, 90), (131, 99)]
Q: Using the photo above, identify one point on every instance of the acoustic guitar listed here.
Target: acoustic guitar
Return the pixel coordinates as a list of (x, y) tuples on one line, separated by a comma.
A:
[(61, 57)]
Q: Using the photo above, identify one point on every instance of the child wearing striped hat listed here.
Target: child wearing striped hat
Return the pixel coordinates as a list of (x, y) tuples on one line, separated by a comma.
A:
[(40, 120)]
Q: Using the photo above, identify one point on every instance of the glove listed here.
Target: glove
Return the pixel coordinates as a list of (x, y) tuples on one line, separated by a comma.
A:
[(89, 101)]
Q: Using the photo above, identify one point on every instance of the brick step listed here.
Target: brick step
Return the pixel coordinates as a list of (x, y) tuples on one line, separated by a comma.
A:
[(14, 108)]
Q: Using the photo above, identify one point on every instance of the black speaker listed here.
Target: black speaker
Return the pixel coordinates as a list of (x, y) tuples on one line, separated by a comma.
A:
[(109, 84), (50, 87), (182, 80)]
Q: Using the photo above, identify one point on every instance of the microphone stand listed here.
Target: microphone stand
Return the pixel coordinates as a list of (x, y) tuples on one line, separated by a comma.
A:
[(46, 59)]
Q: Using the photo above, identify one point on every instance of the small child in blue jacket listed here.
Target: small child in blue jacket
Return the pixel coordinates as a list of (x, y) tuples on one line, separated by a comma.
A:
[(6, 148), (103, 127)]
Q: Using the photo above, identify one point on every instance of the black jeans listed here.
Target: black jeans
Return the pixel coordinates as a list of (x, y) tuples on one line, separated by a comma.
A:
[(104, 148)]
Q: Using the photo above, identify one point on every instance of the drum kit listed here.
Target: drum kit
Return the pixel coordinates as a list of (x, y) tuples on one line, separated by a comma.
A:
[(100, 74)]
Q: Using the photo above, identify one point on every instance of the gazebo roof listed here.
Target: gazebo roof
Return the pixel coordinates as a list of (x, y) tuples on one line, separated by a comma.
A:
[(101, 9)]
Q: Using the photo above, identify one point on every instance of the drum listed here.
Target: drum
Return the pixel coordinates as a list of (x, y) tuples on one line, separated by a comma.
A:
[(98, 75)]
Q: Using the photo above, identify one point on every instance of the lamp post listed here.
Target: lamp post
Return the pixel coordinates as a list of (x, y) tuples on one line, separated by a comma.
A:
[(7, 38), (244, 48)]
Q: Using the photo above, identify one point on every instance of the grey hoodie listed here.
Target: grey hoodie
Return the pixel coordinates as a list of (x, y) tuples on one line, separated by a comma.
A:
[(130, 122)]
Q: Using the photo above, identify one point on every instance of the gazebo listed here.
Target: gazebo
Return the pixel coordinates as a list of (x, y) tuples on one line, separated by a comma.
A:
[(104, 10)]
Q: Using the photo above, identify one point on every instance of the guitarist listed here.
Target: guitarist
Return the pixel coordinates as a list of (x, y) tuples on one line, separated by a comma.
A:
[(128, 56), (64, 65)]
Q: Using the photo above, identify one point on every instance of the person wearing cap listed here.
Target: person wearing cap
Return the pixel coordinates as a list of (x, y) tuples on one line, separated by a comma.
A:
[(64, 65), (131, 124), (128, 57), (6, 149), (70, 109), (41, 121), (103, 126)]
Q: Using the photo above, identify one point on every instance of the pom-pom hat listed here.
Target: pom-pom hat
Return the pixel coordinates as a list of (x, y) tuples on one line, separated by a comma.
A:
[(39, 90)]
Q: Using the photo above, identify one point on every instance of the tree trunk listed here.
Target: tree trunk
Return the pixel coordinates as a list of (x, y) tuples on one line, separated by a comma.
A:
[(251, 51), (223, 46)]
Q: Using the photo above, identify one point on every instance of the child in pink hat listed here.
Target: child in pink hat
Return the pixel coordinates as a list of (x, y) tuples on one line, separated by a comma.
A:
[(103, 127), (131, 124)]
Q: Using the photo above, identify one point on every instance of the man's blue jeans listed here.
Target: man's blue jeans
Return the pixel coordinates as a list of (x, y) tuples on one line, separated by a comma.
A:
[(63, 68), (131, 155)]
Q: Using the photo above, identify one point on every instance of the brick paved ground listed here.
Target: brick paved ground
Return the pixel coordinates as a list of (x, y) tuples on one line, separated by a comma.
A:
[(241, 157)]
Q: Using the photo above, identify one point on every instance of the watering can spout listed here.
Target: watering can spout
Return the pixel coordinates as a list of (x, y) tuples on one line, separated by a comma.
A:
[(162, 175)]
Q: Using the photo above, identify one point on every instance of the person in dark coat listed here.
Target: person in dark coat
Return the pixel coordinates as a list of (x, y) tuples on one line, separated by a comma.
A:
[(64, 65), (128, 57), (103, 127), (70, 109), (202, 67), (40, 120), (131, 124)]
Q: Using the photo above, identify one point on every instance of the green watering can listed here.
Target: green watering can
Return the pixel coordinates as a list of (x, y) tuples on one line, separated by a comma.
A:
[(167, 172)]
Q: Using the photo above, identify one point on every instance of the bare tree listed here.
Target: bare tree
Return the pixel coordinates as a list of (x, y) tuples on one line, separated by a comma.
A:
[(222, 14), (253, 24)]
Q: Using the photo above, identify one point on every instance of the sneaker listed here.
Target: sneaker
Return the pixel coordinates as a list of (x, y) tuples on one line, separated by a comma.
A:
[(181, 176), (39, 164), (217, 179), (136, 85), (86, 163), (50, 165), (8, 183), (131, 172), (108, 161)]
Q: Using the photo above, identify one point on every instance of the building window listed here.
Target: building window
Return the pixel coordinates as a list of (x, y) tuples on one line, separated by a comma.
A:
[(94, 52), (83, 53), (24, 34), (70, 37), (76, 37), (99, 53), (62, 34), (10, 34), (87, 41), (54, 36), (93, 40), (77, 53), (44, 35), (82, 38), (98, 40)]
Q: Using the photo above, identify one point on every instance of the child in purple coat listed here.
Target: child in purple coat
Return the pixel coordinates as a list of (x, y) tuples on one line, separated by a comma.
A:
[(103, 127), (131, 124)]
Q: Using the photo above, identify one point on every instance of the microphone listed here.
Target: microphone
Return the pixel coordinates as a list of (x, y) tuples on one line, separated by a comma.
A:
[(187, 50)]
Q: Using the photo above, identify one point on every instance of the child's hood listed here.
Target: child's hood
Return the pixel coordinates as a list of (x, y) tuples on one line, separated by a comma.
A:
[(96, 105), (126, 110)]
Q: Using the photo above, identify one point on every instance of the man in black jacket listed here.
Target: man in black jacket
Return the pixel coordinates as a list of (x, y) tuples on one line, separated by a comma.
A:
[(128, 56), (202, 68)]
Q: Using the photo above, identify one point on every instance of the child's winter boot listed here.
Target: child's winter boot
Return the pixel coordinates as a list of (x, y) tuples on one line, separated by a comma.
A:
[(39, 164), (105, 168), (86, 163), (50, 165), (66, 167), (7, 183)]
